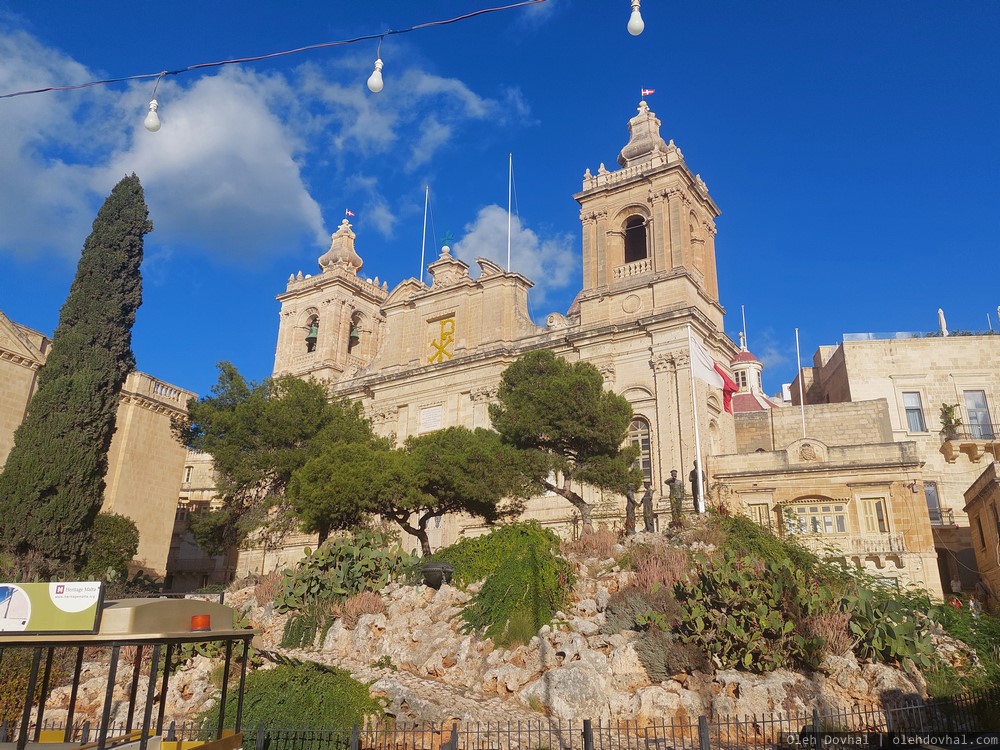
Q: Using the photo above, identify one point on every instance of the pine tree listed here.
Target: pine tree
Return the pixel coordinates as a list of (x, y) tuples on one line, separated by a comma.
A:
[(52, 485)]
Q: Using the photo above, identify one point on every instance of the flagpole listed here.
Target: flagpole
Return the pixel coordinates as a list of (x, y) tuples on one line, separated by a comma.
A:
[(802, 401), (423, 242), (510, 183), (700, 507)]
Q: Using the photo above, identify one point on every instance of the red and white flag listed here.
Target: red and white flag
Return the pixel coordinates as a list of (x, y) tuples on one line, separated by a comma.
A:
[(647, 92), (708, 370), (348, 212)]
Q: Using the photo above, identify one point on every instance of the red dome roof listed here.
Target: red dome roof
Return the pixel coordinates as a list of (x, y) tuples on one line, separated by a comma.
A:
[(743, 356)]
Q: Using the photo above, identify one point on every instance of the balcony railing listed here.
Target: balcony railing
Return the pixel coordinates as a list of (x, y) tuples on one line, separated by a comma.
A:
[(889, 543), (941, 516), (966, 432)]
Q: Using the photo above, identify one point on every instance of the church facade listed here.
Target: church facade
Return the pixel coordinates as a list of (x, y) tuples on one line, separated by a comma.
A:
[(426, 356)]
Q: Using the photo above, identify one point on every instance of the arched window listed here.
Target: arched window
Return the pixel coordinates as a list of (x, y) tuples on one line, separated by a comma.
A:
[(354, 336), (635, 239), (638, 435), (312, 333)]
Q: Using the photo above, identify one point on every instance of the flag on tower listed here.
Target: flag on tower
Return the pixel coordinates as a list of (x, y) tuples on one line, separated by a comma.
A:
[(647, 92), (708, 370), (348, 212)]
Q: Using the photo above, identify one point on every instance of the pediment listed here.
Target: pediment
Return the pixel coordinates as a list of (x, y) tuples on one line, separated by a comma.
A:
[(17, 345), (404, 291)]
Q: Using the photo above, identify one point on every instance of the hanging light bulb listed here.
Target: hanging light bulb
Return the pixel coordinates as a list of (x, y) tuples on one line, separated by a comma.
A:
[(152, 121), (375, 79), (635, 24)]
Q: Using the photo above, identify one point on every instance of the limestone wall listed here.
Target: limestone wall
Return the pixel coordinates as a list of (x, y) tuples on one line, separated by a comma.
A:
[(146, 463), (834, 424)]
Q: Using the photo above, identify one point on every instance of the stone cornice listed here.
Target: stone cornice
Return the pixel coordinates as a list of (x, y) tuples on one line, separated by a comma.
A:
[(18, 359)]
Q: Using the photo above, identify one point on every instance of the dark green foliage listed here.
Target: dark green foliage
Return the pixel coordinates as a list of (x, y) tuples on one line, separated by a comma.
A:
[(527, 580), (744, 538), (52, 485), (743, 613), (258, 435), (885, 628), (561, 411), (115, 540), (455, 470), (302, 695)]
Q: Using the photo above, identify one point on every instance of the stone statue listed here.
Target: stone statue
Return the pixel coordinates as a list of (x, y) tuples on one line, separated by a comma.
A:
[(630, 510), (647, 508), (676, 489)]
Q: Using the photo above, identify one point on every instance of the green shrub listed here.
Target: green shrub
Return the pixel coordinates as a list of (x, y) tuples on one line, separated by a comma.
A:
[(14, 672), (983, 635), (301, 695), (339, 568), (663, 655), (114, 541), (742, 613), (744, 538), (629, 609), (526, 580)]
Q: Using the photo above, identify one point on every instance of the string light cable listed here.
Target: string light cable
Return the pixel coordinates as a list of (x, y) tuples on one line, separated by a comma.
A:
[(272, 55)]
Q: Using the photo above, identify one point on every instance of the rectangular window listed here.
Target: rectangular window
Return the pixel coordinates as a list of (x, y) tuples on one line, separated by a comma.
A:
[(982, 536), (874, 514), (914, 412), (760, 514), (187, 473), (980, 424), (826, 519), (933, 505)]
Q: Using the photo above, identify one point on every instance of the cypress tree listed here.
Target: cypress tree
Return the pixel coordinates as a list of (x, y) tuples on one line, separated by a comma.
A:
[(52, 485)]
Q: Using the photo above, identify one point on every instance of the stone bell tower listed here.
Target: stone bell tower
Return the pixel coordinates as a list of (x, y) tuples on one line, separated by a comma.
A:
[(331, 323), (648, 233)]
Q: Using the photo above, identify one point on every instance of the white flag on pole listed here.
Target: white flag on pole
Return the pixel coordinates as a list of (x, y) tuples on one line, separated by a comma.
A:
[(703, 366)]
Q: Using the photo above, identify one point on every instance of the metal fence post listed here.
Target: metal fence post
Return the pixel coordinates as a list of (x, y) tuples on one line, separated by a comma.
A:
[(588, 734), (172, 732), (260, 741), (453, 740), (355, 737), (815, 721), (703, 733), (3, 731), (85, 735)]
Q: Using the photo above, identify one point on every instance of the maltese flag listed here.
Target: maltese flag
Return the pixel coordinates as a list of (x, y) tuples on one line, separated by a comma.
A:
[(647, 92), (707, 370), (348, 212)]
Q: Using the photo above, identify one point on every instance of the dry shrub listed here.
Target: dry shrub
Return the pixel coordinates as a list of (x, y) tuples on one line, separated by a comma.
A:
[(267, 588), (600, 544), (365, 603), (659, 566), (832, 628)]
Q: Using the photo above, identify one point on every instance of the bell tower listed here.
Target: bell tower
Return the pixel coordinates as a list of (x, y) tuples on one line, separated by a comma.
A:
[(648, 233), (331, 323)]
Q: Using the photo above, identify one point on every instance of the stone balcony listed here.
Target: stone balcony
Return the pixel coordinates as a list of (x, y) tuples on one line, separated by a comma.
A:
[(856, 545), (975, 441), (635, 268)]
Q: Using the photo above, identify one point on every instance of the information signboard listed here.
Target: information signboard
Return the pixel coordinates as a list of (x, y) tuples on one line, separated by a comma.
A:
[(59, 607)]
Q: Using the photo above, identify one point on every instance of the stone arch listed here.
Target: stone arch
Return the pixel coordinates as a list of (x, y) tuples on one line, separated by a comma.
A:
[(634, 222), (640, 434)]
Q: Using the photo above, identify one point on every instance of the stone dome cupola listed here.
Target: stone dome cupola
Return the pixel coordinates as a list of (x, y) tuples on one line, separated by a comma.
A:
[(644, 138), (341, 253), (747, 369)]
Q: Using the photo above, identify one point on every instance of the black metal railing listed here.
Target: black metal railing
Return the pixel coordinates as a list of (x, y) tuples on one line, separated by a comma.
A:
[(941, 516), (969, 713)]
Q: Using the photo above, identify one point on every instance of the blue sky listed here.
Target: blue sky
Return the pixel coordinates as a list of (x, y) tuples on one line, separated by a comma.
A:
[(852, 147)]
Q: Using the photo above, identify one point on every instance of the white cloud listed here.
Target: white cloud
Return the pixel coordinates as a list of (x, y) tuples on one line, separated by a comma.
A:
[(550, 262), (221, 172)]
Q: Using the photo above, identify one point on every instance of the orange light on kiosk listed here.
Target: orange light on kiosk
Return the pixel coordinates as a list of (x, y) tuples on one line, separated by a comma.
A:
[(201, 623)]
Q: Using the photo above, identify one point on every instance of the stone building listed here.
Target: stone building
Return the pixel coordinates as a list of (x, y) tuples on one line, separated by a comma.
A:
[(917, 375), (837, 482), (188, 566), (421, 357), (982, 505), (144, 460)]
